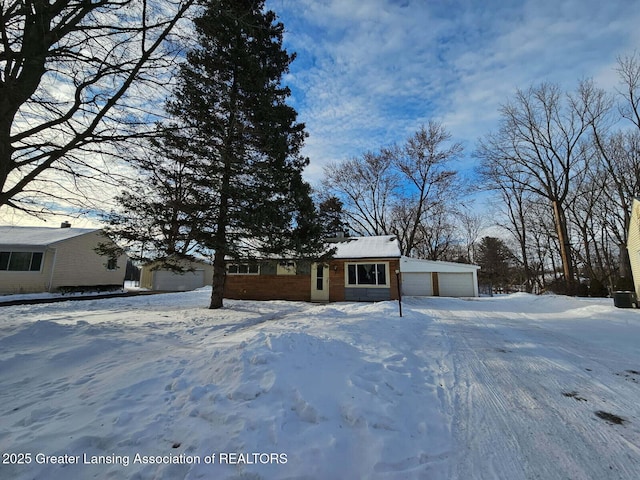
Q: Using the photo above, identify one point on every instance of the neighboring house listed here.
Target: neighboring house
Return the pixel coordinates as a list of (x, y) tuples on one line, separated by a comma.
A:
[(195, 274), (633, 244), (362, 269), (43, 259), (436, 278)]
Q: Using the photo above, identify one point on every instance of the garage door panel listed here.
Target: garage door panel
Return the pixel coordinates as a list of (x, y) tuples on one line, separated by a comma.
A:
[(417, 284), (456, 284), (172, 281)]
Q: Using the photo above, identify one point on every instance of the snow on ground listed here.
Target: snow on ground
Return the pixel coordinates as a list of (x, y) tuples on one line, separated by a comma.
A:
[(159, 387)]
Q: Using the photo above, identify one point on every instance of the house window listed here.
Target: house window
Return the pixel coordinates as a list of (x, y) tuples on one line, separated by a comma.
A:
[(243, 269), (286, 268), (112, 264), (320, 277), (21, 261), (374, 274)]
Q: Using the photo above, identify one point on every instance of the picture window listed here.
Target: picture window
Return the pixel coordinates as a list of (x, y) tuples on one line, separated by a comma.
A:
[(374, 274), (21, 261)]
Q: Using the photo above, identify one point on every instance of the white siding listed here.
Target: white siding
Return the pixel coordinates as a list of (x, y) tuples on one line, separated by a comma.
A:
[(456, 284), (171, 281), (453, 279), (417, 284), (150, 280)]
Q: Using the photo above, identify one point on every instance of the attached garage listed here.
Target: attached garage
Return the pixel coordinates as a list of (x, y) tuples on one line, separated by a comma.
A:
[(459, 284), (417, 284), (432, 278)]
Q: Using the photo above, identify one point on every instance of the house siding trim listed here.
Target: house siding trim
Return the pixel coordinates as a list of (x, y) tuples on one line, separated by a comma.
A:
[(633, 244)]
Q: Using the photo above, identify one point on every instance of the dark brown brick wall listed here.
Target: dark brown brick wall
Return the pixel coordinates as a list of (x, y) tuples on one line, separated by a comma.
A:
[(268, 287), (297, 287), (336, 281)]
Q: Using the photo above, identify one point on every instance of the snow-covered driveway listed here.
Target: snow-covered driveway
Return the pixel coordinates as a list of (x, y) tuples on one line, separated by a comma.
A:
[(516, 387), (540, 394)]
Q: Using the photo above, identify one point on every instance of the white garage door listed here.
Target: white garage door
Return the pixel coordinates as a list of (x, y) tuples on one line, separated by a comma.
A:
[(418, 284), (456, 284), (168, 280)]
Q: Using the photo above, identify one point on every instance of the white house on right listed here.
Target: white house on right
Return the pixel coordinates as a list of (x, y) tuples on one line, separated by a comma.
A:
[(633, 244), (437, 278)]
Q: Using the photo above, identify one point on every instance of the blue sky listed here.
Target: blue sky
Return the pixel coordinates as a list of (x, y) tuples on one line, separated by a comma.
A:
[(368, 73)]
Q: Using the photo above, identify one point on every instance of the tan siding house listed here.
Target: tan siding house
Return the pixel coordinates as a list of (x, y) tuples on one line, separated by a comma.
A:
[(42, 259), (633, 244)]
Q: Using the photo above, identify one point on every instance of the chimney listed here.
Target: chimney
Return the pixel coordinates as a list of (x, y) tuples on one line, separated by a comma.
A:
[(65, 225)]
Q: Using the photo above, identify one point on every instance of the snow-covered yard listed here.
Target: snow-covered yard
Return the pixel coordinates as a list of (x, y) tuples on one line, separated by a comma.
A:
[(159, 387)]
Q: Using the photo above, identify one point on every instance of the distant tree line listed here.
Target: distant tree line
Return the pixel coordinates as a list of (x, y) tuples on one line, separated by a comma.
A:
[(81, 83), (566, 167)]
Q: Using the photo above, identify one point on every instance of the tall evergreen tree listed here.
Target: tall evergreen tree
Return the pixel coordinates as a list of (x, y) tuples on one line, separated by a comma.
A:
[(245, 140), (160, 215)]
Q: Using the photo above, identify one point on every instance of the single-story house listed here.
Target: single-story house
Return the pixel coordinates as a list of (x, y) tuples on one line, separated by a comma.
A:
[(194, 274), (361, 269), (437, 278), (44, 259), (633, 244)]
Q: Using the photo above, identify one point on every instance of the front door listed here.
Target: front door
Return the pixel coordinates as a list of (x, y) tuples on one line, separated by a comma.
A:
[(319, 282)]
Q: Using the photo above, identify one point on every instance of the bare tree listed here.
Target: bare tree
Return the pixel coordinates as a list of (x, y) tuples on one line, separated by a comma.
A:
[(471, 224), (619, 155), (514, 204), (542, 143), (367, 186), (75, 80), (423, 162), (589, 209), (629, 74), (406, 190), (437, 235)]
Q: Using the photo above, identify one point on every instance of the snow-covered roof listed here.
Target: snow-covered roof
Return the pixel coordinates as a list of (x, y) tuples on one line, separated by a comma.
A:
[(382, 246), (417, 265), (38, 236)]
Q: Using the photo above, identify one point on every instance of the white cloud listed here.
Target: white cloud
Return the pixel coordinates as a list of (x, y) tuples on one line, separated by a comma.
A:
[(369, 73)]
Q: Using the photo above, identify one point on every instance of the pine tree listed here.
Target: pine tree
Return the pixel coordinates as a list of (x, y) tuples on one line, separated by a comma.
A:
[(495, 259), (244, 139), (159, 216), (331, 218)]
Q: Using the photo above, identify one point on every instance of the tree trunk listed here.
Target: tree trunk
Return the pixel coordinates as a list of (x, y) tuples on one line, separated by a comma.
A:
[(6, 152), (219, 276), (565, 246), (219, 268)]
